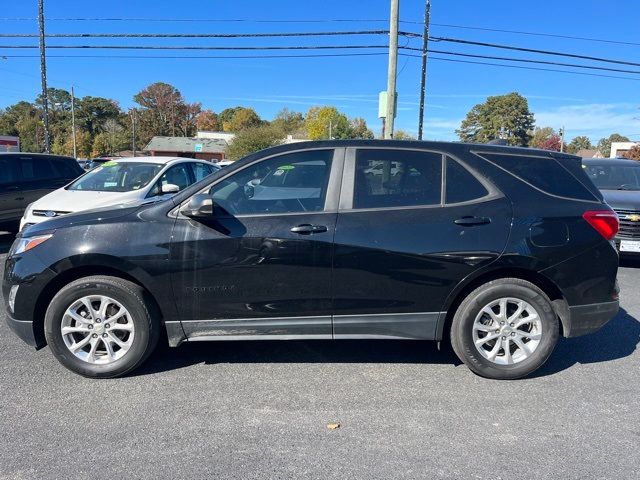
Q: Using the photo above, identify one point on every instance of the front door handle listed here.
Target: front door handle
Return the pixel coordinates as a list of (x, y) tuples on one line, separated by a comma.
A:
[(471, 221), (307, 229)]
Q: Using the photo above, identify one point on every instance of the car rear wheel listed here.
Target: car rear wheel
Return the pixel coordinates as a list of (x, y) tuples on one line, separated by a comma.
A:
[(505, 329), (101, 327)]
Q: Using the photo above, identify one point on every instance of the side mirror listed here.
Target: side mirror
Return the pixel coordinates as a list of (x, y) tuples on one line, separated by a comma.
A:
[(170, 188), (200, 205)]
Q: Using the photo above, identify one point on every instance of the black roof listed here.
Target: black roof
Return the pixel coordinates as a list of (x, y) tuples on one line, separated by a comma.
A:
[(24, 154), (418, 144), (621, 162)]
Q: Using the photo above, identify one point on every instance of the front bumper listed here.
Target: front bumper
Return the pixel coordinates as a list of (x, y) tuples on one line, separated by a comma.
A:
[(24, 330), (584, 319)]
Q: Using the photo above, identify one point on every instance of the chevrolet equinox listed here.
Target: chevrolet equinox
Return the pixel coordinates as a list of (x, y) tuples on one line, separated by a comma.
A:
[(501, 250)]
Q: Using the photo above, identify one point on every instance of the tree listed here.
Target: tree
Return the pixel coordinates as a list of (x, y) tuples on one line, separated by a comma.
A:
[(164, 112), (634, 153), (252, 139), (289, 122), (241, 119), (541, 135), (208, 120), (604, 144), (24, 120), (553, 143), (227, 114), (503, 116), (402, 135), (359, 129), (326, 122), (93, 112), (579, 143)]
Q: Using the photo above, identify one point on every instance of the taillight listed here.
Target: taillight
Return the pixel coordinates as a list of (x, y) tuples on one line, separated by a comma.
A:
[(604, 221)]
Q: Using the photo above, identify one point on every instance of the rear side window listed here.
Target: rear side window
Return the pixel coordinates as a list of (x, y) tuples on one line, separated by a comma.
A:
[(36, 169), (543, 173), (397, 178), (201, 170), (65, 168), (462, 186)]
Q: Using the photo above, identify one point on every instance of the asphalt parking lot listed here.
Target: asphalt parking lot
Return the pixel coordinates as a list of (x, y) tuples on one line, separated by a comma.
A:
[(260, 410)]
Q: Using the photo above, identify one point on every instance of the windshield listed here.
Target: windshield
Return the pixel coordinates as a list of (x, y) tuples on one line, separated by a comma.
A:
[(117, 177), (297, 175), (615, 177)]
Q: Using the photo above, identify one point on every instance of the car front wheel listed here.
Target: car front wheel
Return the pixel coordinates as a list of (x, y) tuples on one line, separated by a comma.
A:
[(101, 326), (505, 329)]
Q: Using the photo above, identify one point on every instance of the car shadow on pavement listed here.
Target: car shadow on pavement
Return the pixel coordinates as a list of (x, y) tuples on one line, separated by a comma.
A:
[(617, 339), (298, 351)]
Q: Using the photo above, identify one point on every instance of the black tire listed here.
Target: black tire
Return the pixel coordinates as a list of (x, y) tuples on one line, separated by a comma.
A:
[(128, 294), (462, 328)]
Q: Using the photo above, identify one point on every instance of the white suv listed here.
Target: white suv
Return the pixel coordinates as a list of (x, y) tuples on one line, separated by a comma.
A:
[(119, 181)]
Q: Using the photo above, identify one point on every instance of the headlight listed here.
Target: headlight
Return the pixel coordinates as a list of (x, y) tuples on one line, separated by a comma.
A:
[(22, 245)]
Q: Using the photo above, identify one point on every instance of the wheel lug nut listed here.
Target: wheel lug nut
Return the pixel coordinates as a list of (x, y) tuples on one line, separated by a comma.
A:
[(501, 323), (90, 327), (498, 331), (95, 335), (104, 335), (513, 334), (106, 325), (511, 324), (504, 338), (98, 320)]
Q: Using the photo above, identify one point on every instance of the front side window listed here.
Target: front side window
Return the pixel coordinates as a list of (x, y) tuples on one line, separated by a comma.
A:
[(397, 178), (6, 171), (117, 177), (65, 168), (290, 183), (176, 175), (201, 170)]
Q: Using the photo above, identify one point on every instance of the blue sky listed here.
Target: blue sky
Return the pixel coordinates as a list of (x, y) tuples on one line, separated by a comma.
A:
[(585, 105)]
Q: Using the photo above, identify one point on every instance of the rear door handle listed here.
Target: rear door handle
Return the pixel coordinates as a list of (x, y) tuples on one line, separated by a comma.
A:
[(306, 229), (470, 221)]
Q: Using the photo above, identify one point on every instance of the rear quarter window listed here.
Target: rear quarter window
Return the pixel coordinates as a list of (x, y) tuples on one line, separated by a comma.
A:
[(543, 173)]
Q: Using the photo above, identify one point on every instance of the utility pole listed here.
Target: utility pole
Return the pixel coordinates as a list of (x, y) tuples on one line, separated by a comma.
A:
[(393, 67), (562, 140), (43, 76), (330, 130), (423, 76), (133, 131), (73, 122)]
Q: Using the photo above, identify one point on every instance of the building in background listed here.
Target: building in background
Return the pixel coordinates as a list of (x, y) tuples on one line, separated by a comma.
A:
[(618, 149), (9, 144), (212, 149), (226, 136), (589, 153)]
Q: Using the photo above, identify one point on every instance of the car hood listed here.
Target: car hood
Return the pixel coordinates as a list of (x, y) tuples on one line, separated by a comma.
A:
[(622, 199), (63, 200), (90, 217)]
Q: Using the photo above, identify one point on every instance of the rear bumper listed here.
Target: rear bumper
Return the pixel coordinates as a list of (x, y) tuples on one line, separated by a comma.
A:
[(584, 319)]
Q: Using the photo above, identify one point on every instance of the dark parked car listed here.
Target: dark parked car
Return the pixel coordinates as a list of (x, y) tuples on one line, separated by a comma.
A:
[(500, 249), (25, 177), (619, 181)]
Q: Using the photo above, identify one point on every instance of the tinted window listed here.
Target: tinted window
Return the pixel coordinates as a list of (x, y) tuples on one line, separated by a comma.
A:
[(462, 186), (36, 168), (6, 170), (291, 183), (615, 177), (201, 170), (545, 174), (397, 178), (65, 168)]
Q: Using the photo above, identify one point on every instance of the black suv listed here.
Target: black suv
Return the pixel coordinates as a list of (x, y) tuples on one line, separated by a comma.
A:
[(25, 177), (619, 181), (499, 249)]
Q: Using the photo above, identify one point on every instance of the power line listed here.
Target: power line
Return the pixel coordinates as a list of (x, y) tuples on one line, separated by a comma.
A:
[(177, 47), (527, 60), (523, 67), (208, 35), (532, 50)]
